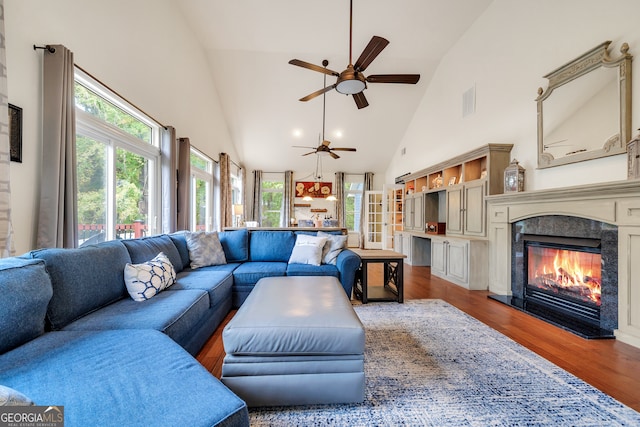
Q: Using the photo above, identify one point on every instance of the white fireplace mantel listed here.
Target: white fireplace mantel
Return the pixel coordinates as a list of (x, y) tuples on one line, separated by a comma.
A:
[(616, 203)]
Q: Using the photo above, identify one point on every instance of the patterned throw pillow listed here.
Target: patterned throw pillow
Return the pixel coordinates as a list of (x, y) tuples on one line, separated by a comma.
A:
[(149, 278), (205, 249), (11, 397), (307, 250), (336, 243)]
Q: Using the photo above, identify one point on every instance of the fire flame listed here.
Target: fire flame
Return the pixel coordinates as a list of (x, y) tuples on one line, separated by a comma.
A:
[(578, 272)]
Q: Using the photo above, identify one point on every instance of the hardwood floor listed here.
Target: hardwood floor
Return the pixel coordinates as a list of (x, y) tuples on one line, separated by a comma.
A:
[(609, 365)]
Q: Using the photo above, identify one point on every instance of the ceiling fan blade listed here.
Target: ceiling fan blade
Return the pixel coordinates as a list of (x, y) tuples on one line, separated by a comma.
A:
[(343, 149), (334, 155), (394, 78), (313, 152), (313, 67), (326, 143), (370, 52), (303, 146), (317, 93), (361, 100)]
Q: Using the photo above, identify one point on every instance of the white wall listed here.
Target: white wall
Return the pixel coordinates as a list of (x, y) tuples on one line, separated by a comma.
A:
[(505, 54), (142, 49)]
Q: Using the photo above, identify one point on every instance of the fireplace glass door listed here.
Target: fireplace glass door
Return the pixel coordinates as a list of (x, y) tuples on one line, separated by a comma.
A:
[(564, 278), (568, 273)]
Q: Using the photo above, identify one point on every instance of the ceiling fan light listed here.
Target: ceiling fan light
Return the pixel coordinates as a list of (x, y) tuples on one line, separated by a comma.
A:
[(349, 87)]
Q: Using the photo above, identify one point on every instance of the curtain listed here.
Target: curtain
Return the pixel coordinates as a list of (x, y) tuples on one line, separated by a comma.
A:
[(6, 230), (368, 181), (169, 161), (183, 202), (288, 199), (226, 214), (244, 189), (256, 209), (340, 203), (57, 219)]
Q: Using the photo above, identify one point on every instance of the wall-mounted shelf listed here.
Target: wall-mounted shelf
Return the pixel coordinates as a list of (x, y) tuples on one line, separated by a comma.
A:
[(302, 205), (318, 210)]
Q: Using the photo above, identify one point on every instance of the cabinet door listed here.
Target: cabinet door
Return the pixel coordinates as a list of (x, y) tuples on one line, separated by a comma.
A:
[(408, 213), (438, 257), (397, 242), (474, 211), (406, 248), (418, 213), (454, 210), (457, 258)]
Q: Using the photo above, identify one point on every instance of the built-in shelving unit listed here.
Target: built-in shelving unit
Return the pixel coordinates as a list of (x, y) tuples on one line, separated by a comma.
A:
[(453, 192), (482, 167)]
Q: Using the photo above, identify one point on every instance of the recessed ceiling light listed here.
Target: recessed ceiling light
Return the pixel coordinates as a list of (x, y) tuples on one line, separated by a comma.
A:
[(297, 133), (338, 134)]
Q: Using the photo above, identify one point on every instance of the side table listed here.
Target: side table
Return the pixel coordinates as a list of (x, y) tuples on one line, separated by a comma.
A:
[(392, 288)]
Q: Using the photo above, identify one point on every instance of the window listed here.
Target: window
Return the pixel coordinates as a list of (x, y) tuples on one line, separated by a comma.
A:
[(272, 199), (237, 195), (201, 191), (353, 193), (117, 166)]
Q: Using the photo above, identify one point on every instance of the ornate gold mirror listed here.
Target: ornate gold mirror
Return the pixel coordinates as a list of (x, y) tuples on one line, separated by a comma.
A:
[(589, 114)]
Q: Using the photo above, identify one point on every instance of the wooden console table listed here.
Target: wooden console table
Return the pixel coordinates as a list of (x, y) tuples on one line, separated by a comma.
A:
[(392, 288)]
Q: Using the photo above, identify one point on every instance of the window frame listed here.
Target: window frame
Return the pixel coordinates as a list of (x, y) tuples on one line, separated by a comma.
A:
[(237, 193), (114, 139), (209, 177), (358, 194), (272, 177)]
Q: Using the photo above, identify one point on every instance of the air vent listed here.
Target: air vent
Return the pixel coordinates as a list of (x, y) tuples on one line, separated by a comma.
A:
[(469, 102)]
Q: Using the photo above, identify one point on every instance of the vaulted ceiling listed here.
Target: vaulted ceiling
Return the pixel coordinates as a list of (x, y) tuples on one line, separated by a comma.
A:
[(248, 44)]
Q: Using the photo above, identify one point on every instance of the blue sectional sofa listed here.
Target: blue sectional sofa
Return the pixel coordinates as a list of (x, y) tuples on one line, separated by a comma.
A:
[(70, 334)]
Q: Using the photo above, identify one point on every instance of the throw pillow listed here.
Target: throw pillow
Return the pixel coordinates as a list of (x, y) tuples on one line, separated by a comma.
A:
[(307, 250), (336, 243), (205, 249), (11, 397), (147, 279)]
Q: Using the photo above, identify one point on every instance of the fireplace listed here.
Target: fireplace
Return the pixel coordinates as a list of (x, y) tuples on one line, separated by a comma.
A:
[(608, 212), (563, 278), (564, 270)]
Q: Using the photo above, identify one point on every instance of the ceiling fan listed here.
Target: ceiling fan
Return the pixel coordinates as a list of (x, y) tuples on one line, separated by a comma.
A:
[(352, 81), (324, 148)]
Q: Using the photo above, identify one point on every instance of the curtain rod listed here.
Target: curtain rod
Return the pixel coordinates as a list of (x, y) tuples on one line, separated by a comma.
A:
[(51, 49), (48, 47)]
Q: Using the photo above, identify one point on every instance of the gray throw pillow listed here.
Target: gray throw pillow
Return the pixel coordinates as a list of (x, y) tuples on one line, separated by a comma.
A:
[(205, 249), (336, 243)]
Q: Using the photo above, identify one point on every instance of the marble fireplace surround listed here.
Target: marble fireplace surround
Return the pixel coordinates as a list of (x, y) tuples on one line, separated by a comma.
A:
[(615, 203)]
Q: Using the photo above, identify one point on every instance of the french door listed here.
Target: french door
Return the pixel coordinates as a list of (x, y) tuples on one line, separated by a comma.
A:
[(392, 213), (373, 217)]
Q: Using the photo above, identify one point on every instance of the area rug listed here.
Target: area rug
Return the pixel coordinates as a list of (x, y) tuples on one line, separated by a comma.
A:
[(429, 364)]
